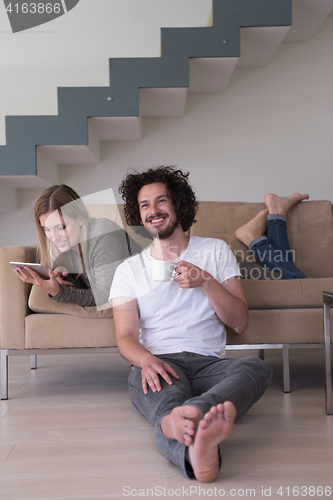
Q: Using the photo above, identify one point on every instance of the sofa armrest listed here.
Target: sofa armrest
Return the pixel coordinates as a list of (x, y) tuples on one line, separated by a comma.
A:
[(13, 296)]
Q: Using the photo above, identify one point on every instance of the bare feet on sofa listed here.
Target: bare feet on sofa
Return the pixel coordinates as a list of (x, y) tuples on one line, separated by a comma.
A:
[(281, 205), (214, 428), (182, 424), (253, 229)]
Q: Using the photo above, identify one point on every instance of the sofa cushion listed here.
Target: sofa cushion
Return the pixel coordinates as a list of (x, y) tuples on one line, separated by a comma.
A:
[(43, 332), (40, 302), (286, 294), (290, 326)]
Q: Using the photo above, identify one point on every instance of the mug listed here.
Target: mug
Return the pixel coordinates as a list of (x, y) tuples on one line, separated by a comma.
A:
[(162, 270)]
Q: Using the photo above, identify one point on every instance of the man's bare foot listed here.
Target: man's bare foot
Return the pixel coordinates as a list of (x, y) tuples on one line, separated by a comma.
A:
[(281, 205), (182, 424), (216, 426), (253, 229)]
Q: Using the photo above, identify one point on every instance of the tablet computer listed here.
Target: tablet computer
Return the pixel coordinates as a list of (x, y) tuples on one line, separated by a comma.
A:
[(38, 268)]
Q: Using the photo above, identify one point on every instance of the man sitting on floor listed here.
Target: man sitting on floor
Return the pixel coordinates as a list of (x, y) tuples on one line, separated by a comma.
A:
[(173, 332)]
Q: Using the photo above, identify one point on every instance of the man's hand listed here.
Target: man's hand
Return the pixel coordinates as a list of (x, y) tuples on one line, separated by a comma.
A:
[(228, 299), (190, 276), (151, 369), (51, 286)]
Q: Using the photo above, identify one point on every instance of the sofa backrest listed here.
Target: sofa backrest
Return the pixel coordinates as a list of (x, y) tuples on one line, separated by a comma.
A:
[(309, 226)]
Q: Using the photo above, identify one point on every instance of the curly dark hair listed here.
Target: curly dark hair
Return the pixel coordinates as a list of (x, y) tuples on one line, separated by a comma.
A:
[(181, 194)]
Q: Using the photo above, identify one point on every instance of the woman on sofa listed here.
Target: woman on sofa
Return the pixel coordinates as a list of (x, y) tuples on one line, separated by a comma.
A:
[(80, 252), (266, 237)]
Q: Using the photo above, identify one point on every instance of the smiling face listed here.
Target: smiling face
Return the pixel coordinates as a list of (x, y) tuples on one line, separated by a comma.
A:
[(156, 210), (63, 231)]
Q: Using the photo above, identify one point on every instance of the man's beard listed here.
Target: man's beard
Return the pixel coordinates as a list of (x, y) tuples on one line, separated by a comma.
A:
[(164, 233)]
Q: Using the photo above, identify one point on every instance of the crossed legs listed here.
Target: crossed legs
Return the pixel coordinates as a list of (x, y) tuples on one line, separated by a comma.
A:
[(278, 205), (196, 413), (272, 250)]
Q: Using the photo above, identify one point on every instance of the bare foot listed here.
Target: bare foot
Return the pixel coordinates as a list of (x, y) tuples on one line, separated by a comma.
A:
[(216, 426), (281, 205), (253, 229), (182, 424)]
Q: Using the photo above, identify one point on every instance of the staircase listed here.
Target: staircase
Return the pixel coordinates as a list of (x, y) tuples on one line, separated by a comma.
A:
[(240, 34)]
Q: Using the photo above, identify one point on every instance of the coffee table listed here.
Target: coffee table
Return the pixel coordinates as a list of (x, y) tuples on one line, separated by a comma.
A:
[(328, 303)]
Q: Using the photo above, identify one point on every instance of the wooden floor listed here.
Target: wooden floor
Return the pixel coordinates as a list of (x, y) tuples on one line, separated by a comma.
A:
[(69, 431)]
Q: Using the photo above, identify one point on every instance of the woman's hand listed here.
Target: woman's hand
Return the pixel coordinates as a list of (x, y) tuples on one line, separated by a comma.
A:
[(59, 272), (51, 286)]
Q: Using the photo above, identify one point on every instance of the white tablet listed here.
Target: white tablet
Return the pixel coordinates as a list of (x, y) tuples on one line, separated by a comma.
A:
[(38, 268)]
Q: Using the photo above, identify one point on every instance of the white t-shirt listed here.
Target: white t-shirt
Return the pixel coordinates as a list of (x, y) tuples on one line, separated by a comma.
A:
[(173, 319)]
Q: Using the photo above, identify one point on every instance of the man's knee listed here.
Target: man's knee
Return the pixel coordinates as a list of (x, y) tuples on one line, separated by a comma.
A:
[(254, 367)]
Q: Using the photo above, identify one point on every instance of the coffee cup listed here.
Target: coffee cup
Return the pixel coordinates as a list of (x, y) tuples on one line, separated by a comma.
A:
[(162, 270)]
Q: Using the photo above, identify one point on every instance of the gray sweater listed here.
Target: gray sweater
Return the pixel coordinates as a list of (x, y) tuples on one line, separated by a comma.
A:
[(107, 246)]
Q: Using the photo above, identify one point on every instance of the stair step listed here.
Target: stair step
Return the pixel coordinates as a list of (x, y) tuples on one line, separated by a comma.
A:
[(211, 74), (162, 102), (258, 45), (192, 60), (308, 15)]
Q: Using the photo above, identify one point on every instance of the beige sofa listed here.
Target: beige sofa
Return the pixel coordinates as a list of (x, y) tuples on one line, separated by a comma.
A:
[(283, 314)]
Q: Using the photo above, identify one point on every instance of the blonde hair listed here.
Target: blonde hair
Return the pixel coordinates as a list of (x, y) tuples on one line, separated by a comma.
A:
[(67, 202)]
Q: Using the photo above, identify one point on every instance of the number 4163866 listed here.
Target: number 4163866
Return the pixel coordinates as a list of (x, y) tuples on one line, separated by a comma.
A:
[(304, 491), (34, 8)]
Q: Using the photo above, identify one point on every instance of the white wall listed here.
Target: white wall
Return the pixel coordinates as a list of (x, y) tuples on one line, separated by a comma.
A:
[(270, 131)]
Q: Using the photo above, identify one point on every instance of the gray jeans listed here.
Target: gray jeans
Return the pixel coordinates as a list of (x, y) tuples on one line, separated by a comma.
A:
[(204, 381)]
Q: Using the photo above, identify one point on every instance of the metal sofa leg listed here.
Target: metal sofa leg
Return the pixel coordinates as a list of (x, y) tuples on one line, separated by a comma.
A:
[(33, 361), (286, 371), (328, 361), (262, 354), (4, 374)]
